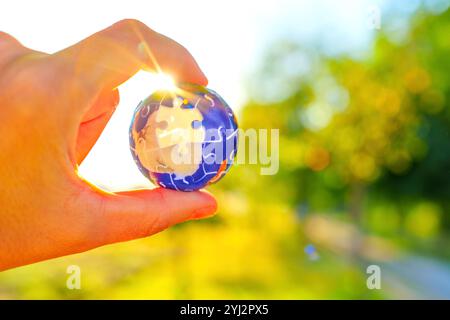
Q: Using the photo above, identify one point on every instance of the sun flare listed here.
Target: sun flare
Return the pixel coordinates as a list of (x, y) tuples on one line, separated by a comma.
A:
[(163, 81)]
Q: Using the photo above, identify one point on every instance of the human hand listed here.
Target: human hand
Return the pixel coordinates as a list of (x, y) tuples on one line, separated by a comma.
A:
[(52, 111)]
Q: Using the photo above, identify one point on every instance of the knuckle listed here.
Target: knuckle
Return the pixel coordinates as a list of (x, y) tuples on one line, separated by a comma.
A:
[(155, 225), (130, 24), (161, 221), (162, 199), (91, 211), (77, 210), (6, 37)]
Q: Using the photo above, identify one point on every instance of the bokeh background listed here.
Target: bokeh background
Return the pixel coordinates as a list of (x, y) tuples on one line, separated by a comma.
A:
[(364, 119)]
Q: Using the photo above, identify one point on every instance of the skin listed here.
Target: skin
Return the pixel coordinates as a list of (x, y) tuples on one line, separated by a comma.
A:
[(52, 110)]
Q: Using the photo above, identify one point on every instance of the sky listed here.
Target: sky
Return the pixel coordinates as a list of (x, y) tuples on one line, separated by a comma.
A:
[(227, 38)]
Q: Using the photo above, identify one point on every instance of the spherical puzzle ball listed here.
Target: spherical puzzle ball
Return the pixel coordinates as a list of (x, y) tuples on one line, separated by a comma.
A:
[(184, 139)]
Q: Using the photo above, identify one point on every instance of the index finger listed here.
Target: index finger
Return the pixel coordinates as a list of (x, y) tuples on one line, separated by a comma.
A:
[(111, 56)]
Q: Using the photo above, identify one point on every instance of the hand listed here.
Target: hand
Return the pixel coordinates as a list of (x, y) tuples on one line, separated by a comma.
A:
[(52, 110)]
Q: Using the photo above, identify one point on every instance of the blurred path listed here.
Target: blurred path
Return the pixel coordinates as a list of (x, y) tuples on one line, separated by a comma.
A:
[(416, 277), (403, 275)]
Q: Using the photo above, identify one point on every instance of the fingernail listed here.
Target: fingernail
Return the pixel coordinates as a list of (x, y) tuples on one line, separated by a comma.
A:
[(204, 212)]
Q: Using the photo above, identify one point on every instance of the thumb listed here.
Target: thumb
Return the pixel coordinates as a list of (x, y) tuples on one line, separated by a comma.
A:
[(140, 213)]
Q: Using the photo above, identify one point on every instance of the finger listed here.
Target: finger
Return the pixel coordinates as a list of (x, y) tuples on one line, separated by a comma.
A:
[(8, 40), (94, 122), (111, 56), (10, 49), (141, 213)]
